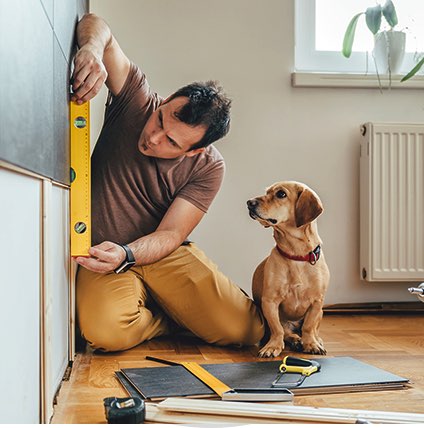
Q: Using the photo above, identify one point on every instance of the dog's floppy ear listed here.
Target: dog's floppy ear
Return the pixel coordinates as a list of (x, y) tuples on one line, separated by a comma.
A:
[(308, 207)]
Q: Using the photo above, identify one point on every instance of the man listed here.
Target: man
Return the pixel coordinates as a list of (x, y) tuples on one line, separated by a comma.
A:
[(154, 175)]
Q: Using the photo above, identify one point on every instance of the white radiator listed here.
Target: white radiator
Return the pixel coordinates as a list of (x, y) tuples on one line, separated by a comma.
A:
[(392, 202)]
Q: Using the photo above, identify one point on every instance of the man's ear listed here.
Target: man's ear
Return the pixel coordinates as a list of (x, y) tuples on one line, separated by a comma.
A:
[(308, 207), (194, 152)]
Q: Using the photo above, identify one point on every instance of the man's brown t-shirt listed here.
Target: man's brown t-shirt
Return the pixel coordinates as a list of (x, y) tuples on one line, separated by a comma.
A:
[(131, 192)]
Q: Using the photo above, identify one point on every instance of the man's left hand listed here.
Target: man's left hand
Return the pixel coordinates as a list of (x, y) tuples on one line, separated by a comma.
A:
[(88, 76), (104, 258)]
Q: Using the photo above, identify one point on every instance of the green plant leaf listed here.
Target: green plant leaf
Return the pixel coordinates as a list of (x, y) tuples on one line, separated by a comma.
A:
[(413, 71), (389, 12), (350, 35), (373, 18)]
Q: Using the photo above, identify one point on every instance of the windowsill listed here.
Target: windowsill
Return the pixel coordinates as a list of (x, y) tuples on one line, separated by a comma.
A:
[(310, 79)]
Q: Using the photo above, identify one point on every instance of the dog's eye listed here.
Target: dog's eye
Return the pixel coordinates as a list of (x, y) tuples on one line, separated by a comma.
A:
[(281, 194)]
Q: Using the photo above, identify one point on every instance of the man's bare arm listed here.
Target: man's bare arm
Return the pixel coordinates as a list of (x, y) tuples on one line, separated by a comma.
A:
[(99, 60), (181, 218)]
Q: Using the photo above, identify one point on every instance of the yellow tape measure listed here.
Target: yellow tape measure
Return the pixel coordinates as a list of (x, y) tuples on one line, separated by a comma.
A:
[(80, 179)]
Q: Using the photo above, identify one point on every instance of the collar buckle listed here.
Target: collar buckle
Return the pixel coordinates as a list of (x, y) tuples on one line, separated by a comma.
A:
[(314, 255)]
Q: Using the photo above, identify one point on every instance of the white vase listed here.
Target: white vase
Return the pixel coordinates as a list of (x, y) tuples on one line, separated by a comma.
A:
[(389, 51)]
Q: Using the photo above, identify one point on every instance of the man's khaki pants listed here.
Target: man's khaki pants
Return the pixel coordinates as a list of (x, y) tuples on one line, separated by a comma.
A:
[(183, 290)]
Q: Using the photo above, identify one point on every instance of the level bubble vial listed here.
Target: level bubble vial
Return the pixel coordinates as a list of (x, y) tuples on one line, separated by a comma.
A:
[(80, 227), (80, 122)]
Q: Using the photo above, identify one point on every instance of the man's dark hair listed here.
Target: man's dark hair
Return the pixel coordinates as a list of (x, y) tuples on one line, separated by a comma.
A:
[(207, 105)]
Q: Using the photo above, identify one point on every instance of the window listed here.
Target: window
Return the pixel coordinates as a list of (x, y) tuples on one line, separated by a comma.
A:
[(320, 28)]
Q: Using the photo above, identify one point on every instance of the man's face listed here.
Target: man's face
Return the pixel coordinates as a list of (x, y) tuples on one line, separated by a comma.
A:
[(164, 136)]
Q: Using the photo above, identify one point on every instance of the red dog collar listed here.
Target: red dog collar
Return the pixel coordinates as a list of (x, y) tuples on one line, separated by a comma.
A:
[(311, 257)]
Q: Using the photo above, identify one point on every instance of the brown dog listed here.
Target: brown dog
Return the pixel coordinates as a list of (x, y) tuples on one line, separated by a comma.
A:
[(291, 282)]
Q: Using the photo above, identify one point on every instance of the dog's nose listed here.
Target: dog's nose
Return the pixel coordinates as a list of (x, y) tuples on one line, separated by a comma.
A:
[(252, 203)]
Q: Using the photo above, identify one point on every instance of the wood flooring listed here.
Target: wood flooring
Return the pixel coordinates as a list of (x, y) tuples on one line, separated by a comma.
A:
[(393, 342)]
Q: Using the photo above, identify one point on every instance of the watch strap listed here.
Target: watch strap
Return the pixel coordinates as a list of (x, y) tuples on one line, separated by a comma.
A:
[(128, 261)]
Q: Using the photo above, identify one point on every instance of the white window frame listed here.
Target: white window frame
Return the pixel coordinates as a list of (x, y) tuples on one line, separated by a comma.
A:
[(360, 66)]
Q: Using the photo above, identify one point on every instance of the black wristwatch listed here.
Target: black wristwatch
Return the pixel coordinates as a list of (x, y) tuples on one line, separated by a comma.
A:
[(128, 262)]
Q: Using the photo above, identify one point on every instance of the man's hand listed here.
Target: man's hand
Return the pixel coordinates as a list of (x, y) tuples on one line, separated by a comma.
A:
[(89, 74), (182, 217), (104, 258), (99, 60)]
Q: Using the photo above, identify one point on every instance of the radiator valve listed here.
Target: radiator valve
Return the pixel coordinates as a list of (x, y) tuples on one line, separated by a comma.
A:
[(419, 291)]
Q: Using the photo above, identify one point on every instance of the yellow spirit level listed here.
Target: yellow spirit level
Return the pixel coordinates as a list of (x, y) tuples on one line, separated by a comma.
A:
[(80, 179)]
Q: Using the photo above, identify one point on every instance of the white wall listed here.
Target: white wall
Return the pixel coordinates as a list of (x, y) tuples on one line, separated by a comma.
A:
[(34, 280), (20, 242), (278, 132), (56, 289)]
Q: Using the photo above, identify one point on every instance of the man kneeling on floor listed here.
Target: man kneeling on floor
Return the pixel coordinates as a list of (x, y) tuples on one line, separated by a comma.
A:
[(154, 175)]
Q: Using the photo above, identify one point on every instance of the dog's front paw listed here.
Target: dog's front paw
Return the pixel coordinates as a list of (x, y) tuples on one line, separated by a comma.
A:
[(314, 348), (272, 349), (295, 342)]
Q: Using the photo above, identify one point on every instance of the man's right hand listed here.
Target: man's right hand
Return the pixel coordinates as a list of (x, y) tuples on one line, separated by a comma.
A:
[(104, 257), (88, 76)]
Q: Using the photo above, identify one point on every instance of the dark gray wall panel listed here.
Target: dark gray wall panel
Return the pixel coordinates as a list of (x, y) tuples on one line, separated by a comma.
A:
[(61, 152), (36, 38), (65, 21), (48, 7), (82, 7), (26, 85)]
